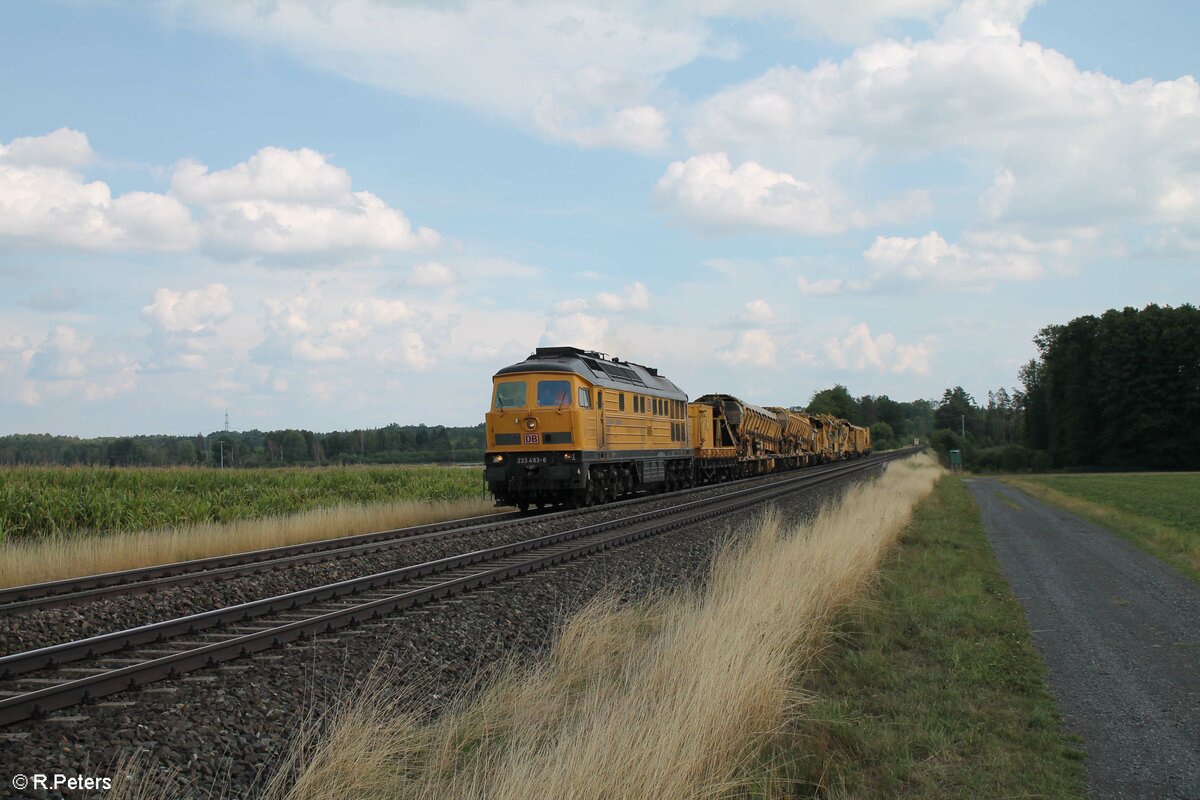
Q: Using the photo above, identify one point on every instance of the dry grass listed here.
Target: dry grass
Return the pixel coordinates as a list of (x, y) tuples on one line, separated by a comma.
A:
[(51, 558), (678, 698)]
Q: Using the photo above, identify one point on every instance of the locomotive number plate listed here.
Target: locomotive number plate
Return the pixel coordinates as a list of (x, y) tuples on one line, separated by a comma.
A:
[(532, 459), (533, 438)]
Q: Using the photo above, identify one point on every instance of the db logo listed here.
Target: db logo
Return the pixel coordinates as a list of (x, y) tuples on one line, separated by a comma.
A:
[(533, 438)]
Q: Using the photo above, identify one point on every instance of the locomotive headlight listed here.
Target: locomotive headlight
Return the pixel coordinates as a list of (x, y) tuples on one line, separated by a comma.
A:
[(530, 424), (568, 456), (496, 459)]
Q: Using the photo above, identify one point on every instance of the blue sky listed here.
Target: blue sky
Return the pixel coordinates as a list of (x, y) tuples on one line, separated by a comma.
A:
[(336, 213)]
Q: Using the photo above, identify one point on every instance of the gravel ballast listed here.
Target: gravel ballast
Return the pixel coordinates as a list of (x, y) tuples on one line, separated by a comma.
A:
[(217, 732), (42, 628)]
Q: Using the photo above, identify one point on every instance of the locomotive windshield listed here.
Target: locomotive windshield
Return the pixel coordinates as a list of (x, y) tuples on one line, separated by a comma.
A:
[(554, 393), (510, 394)]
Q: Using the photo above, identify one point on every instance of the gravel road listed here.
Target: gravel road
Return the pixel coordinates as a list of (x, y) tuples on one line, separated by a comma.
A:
[(217, 733), (1120, 633)]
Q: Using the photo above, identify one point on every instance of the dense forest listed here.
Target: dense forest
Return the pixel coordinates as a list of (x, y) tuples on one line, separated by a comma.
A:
[(1118, 391), (1121, 389)]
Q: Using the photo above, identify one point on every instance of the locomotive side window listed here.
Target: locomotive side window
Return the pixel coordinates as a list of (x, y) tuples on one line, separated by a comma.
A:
[(585, 398), (554, 393), (510, 394), (620, 401)]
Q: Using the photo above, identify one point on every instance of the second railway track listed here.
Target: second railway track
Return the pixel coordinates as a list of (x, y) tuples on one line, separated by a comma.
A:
[(50, 678)]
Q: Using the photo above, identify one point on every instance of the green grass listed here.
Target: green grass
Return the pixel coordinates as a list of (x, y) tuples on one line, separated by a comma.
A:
[(933, 689), (1158, 512), (39, 502)]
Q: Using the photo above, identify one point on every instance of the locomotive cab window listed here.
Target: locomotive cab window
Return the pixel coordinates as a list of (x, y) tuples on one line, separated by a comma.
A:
[(510, 394), (554, 393), (585, 398)]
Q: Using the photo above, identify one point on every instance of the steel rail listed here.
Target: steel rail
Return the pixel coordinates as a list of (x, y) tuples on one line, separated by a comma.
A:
[(41, 701), (142, 580), (17, 597)]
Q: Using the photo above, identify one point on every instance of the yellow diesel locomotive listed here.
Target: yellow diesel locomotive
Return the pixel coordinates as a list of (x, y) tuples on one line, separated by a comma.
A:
[(578, 427)]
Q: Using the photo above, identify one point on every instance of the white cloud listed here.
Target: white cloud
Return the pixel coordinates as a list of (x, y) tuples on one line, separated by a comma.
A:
[(61, 148), (15, 343), (858, 350), (828, 286), (377, 312), (1068, 147), (635, 298), (288, 203), (191, 311), (978, 263), (308, 350), (754, 348), (68, 363), (64, 354), (707, 192), (574, 322), (365, 334), (287, 176), (636, 128), (576, 71), (757, 312), (1174, 242), (184, 325), (44, 203), (713, 196), (431, 275), (577, 329), (123, 380), (410, 350), (583, 72)]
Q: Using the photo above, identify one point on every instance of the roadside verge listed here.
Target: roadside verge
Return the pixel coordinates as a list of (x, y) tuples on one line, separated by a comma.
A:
[(933, 688)]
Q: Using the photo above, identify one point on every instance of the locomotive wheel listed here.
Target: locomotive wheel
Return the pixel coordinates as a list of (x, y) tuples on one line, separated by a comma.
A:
[(523, 506)]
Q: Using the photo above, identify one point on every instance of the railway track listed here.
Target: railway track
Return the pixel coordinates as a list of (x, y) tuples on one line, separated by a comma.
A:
[(40, 681), (72, 591), (69, 591)]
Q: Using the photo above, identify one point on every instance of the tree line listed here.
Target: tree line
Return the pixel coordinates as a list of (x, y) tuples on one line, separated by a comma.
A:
[(392, 444), (1117, 391), (892, 422)]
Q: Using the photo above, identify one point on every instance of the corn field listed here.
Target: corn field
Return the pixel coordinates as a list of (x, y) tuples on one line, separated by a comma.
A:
[(39, 502)]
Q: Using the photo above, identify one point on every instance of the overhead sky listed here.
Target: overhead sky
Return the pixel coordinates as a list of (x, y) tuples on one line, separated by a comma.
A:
[(339, 213)]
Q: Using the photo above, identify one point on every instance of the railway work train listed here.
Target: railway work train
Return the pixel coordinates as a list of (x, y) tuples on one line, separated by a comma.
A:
[(578, 427)]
